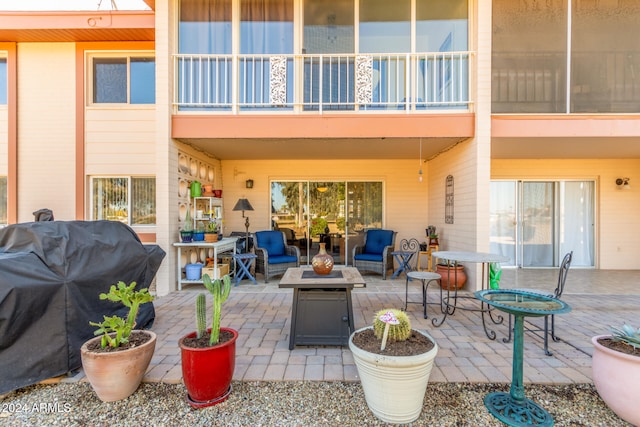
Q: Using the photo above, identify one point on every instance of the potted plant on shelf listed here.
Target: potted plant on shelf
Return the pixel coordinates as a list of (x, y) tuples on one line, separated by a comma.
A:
[(211, 231), (116, 361), (616, 371), (394, 363), (208, 355), (198, 233), (186, 234)]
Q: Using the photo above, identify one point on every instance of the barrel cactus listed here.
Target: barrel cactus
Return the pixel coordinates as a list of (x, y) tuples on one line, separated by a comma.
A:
[(399, 332)]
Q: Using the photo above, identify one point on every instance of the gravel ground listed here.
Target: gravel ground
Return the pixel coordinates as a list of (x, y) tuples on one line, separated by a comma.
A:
[(286, 404)]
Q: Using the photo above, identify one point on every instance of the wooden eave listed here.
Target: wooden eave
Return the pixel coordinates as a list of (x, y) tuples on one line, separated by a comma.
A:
[(77, 26)]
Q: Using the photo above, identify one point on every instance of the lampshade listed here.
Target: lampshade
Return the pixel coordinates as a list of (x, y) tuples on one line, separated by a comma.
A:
[(243, 205)]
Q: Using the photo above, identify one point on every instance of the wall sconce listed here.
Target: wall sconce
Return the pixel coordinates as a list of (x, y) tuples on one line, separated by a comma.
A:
[(249, 183), (623, 183)]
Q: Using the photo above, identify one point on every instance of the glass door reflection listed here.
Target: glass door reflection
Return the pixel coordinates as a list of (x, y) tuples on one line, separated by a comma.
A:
[(335, 213)]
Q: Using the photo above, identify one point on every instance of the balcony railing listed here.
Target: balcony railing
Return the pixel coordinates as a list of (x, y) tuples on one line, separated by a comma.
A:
[(317, 83)]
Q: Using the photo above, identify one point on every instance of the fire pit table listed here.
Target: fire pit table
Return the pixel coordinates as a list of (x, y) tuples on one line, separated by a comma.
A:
[(513, 408)]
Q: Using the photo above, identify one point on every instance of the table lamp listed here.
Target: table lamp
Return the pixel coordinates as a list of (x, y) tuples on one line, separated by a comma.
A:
[(244, 205)]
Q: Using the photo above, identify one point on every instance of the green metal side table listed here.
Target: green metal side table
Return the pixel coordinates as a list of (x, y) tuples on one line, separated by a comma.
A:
[(513, 408)]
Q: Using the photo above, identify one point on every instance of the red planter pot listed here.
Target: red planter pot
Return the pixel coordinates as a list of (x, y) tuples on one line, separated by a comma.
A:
[(207, 372)]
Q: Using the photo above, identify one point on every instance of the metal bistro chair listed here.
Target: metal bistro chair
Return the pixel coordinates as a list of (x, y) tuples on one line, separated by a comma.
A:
[(557, 293)]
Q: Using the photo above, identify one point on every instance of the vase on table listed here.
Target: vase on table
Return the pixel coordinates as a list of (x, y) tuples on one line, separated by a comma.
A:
[(322, 262)]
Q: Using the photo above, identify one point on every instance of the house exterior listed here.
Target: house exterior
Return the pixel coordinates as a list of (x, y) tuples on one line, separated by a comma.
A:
[(512, 126)]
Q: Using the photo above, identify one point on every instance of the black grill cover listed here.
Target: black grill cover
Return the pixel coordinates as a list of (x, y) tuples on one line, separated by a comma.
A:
[(51, 274)]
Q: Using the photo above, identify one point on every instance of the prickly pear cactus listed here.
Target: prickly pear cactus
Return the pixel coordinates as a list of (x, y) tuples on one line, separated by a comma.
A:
[(399, 332)]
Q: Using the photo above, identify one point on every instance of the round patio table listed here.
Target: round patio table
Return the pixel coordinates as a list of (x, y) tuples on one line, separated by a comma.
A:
[(513, 408), (450, 302)]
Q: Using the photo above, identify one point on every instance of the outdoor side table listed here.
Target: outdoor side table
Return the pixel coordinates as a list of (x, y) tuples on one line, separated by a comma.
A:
[(403, 258), (243, 267), (514, 408), (426, 278)]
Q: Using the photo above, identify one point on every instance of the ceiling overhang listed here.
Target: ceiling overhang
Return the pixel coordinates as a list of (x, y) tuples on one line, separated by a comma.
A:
[(77, 26)]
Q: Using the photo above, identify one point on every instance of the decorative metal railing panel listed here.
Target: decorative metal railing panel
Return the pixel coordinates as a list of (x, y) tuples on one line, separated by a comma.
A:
[(339, 82)]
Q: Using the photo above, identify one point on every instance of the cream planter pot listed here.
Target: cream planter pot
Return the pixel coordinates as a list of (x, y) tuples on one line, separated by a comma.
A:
[(394, 386), (617, 379)]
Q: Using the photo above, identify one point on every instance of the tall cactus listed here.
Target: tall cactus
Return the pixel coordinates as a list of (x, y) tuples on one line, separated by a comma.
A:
[(201, 315), (220, 290)]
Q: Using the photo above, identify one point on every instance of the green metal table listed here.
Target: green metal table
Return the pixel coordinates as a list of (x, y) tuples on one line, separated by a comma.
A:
[(513, 408)]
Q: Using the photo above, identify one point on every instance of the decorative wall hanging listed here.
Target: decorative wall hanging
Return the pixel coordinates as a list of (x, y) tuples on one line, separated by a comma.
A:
[(448, 200)]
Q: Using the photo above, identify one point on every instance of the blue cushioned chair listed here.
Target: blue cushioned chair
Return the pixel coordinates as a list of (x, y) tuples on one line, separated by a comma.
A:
[(375, 254), (274, 255)]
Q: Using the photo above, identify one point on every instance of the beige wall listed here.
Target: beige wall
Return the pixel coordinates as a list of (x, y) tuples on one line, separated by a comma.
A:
[(405, 208), (617, 220), (120, 141), (4, 140), (46, 129)]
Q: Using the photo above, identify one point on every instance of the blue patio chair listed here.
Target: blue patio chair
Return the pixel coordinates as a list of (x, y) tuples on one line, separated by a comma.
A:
[(375, 253), (274, 255)]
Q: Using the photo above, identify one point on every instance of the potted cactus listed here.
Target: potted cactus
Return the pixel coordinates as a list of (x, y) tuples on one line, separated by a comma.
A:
[(115, 361), (616, 371), (208, 355), (211, 231), (394, 363)]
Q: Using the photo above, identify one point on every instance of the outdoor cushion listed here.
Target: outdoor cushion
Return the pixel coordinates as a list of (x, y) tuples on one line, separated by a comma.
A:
[(272, 242), (369, 257), (377, 240), (281, 259)]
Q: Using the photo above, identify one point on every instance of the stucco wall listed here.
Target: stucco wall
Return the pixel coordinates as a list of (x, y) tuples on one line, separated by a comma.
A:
[(617, 222)]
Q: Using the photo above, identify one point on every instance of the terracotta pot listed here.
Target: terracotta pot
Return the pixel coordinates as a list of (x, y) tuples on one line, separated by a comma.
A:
[(210, 237), (116, 375), (207, 372), (394, 386), (322, 262), (616, 376), (453, 277)]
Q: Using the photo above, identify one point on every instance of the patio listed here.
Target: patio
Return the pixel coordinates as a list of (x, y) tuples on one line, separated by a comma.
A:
[(261, 313)]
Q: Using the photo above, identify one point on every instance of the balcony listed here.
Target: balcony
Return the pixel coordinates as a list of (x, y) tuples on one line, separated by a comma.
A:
[(313, 84)]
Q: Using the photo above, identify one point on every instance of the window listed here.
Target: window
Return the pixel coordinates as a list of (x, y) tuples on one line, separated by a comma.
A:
[(3, 200), (3, 81), (123, 80), (131, 200)]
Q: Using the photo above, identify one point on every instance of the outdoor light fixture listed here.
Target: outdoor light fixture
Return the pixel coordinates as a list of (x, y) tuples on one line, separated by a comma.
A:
[(244, 205), (623, 183), (249, 183)]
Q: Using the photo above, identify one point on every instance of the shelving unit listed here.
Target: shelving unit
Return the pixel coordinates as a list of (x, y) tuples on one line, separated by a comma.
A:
[(211, 207), (228, 244)]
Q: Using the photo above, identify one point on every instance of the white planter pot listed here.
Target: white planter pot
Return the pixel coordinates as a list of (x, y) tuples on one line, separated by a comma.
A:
[(394, 386), (617, 379)]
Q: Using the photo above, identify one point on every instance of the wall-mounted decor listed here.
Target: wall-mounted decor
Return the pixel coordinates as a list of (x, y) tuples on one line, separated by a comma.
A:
[(448, 200)]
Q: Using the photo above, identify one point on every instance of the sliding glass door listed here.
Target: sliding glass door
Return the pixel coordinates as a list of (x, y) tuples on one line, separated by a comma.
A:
[(335, 213), (535, 223)]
